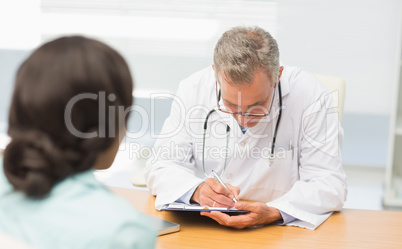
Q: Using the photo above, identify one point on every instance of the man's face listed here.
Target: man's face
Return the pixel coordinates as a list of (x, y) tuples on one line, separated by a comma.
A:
[(252, 98)]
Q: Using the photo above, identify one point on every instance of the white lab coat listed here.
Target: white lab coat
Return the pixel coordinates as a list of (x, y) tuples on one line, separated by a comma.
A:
[(306, 180)]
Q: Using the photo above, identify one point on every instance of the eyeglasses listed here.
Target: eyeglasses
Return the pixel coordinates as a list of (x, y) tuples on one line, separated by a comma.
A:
[(256, 111)]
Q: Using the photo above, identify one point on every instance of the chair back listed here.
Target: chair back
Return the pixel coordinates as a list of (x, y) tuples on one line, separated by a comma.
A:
[(337, 86)]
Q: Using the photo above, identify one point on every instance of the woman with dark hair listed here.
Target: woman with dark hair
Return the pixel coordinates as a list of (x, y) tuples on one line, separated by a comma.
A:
[(68, 116)]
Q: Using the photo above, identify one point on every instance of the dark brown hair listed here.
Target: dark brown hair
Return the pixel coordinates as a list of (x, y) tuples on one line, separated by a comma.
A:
[(43, 150)]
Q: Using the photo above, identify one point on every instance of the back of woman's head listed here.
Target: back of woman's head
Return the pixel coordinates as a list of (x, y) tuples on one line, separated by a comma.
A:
[(69, 104)]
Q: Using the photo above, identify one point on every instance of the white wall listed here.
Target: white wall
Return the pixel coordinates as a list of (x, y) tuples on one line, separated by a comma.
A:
[(165, 41), (357, 40)]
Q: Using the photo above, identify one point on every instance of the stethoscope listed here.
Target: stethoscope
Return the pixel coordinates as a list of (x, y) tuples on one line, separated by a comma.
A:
[(271, 155)]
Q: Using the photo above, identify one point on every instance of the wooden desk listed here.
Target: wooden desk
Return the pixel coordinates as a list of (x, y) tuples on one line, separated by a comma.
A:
[(350, 228)]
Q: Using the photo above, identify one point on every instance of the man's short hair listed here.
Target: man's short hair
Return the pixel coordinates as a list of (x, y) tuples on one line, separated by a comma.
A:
[(243, 51)]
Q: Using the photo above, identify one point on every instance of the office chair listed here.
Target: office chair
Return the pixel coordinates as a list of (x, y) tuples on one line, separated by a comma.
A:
[(336, 85)]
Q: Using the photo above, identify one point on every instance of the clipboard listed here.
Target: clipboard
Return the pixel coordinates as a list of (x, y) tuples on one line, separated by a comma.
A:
[(176, 206)]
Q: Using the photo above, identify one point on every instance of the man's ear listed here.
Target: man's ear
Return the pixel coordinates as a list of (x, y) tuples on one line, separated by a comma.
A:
[(280, 72), (213, 67)]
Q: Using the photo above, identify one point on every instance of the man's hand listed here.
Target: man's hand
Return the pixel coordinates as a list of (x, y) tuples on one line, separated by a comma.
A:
[(212, 193), (260, 214)]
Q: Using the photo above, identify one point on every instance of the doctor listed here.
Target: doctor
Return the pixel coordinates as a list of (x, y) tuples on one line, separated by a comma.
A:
[(268, 130)]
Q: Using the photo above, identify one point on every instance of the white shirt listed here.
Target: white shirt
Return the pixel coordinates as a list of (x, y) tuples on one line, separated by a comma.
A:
[(306, 179)]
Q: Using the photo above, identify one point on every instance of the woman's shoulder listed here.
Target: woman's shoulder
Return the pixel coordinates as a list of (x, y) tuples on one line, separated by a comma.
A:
[(111, 218), (85, 190), (85, 211), (83, 202)]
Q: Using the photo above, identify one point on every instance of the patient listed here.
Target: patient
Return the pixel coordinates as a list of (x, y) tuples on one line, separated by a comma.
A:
[(67, 118)]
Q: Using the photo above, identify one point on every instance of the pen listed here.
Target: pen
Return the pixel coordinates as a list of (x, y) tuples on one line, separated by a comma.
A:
[(223, 184)]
